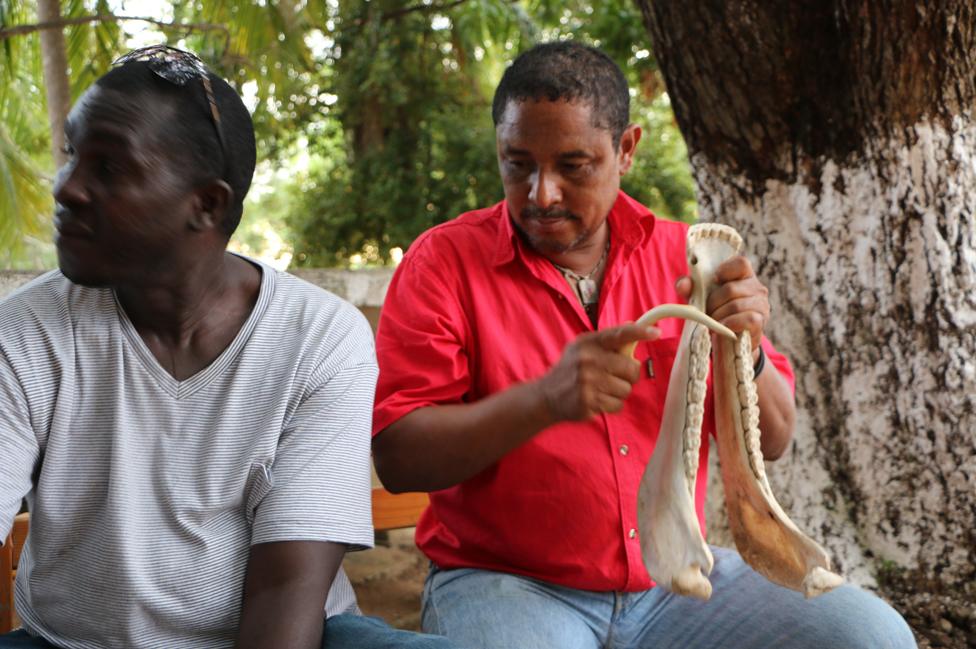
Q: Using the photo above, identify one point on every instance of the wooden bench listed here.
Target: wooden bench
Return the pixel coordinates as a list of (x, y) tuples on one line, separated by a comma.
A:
[(9, 555), (390, 512)]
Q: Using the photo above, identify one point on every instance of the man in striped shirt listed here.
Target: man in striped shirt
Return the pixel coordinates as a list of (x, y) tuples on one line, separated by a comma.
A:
[(190, 428)]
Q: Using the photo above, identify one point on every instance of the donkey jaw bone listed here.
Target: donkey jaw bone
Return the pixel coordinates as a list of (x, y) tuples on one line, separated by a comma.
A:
[(764, 535)]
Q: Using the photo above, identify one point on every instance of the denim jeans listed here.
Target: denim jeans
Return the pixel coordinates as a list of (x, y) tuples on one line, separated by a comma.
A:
[(360, 632), (341, 632), (480, 609), (20, 640)]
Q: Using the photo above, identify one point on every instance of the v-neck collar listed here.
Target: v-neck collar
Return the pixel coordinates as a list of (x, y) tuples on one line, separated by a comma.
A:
[(181, 389)]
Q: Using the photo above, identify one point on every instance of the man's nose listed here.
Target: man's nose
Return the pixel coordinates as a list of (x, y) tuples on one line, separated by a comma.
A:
[(69, 185), (545, 190)]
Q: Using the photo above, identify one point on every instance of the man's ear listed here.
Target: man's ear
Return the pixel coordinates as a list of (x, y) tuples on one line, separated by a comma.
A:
[(213, 201), (628, 146)]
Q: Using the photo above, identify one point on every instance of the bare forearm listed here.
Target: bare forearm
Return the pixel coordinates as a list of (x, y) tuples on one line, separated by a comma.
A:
[(440, 446), (278, 625), (284, 594), (777, 412)]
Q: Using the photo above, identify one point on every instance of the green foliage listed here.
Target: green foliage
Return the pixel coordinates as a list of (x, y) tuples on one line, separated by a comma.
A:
[(412, 106), (660, 177), (26, 165), (24, 192), (372, 116), (413, 102), (24, 195)]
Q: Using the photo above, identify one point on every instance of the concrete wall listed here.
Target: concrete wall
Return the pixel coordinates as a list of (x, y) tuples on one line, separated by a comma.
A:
[(364, 288)]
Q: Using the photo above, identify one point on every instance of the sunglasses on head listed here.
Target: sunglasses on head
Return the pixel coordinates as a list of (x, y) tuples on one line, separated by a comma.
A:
[(178, 67)]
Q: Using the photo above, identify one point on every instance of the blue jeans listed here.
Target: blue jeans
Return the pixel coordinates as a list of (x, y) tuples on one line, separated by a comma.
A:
[(341, 632), (479, 609)]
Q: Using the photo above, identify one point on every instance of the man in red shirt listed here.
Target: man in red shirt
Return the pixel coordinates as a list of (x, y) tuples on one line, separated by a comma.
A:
[(501, 392)]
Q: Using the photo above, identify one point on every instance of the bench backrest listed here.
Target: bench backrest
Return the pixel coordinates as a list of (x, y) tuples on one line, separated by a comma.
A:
[(390, 512), (9, 556)]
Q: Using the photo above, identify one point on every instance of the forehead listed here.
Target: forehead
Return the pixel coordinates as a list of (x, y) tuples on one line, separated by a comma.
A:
[(106, 116), (543, 124)]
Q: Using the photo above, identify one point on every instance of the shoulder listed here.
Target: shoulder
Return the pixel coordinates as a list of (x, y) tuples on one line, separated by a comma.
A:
[(318, 322), (669, 234), (472, 235), (49, 304), (48, 290)]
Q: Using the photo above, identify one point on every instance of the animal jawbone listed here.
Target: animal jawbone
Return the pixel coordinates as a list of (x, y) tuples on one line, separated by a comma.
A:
[(672, 546), (674, 551), (764, 535)]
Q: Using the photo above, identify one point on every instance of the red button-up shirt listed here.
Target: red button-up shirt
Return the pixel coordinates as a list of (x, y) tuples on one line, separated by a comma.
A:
[(471, 311)]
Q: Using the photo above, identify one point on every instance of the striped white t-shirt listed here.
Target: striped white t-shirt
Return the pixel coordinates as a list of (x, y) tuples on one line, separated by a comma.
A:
[(146, 492)]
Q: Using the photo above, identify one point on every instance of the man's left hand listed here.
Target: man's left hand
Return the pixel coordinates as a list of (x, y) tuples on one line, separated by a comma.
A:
[(740, 301)]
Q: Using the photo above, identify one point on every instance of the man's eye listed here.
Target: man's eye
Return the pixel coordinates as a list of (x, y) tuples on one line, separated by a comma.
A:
[(67, 149)]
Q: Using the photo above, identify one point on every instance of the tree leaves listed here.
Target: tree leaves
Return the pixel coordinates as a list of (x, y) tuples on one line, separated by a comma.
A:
[(375, 114)]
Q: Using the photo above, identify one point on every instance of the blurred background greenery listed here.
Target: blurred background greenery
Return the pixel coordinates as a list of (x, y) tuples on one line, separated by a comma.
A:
[(372, 116)]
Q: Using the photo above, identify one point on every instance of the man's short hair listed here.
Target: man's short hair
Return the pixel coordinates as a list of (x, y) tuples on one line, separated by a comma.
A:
[(192, 136), (568, 71)]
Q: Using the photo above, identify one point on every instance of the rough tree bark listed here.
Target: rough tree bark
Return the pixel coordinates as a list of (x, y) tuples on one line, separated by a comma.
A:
[(54, 61), (838, 137)]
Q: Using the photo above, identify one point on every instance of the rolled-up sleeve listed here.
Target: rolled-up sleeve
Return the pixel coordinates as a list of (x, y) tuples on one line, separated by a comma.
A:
[(420, 344), (318, 485)]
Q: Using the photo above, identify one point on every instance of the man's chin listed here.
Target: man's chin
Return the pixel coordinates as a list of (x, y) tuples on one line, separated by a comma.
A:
[(79, 274), (547, 246), (550, 243)]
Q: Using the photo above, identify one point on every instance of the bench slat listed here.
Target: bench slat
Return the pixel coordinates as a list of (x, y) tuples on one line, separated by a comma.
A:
[(394, 511), (19, 534)]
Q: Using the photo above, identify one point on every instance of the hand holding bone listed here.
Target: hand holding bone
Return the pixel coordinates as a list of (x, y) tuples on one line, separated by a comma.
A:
[(592, 377), (739, 301)]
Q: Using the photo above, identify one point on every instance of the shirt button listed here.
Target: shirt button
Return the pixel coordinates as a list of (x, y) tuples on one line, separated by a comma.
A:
[(632, 533), (623, 449)]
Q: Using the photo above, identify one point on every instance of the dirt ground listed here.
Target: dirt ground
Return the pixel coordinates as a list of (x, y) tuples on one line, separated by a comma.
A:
[(389, 579)]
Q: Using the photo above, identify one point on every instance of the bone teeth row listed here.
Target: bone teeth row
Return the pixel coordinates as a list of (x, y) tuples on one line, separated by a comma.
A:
[(702, 231), (748, 402), (748, 396), (700, 350)]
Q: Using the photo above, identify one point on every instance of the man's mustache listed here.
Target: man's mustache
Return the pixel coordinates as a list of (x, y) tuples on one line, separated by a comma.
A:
[(535, 212)]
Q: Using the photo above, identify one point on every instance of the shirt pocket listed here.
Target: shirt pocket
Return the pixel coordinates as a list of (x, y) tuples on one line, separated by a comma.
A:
[(657, 358), (645, 407)]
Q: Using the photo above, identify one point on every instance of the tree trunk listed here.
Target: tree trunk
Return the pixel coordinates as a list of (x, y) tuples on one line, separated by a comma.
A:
[(55, 65), (837, 136)]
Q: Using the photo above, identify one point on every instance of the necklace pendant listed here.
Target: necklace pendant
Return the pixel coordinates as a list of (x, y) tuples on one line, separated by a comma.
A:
[(587, 290)]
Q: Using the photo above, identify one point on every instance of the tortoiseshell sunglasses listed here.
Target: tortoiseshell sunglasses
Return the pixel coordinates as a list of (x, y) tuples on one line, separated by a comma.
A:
[(178, 67)]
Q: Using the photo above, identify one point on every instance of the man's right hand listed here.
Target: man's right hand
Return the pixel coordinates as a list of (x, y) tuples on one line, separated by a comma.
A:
[(439, 446), (593, 376)]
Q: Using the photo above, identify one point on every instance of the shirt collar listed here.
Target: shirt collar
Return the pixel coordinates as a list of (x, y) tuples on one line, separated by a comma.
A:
[(630, 224)]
